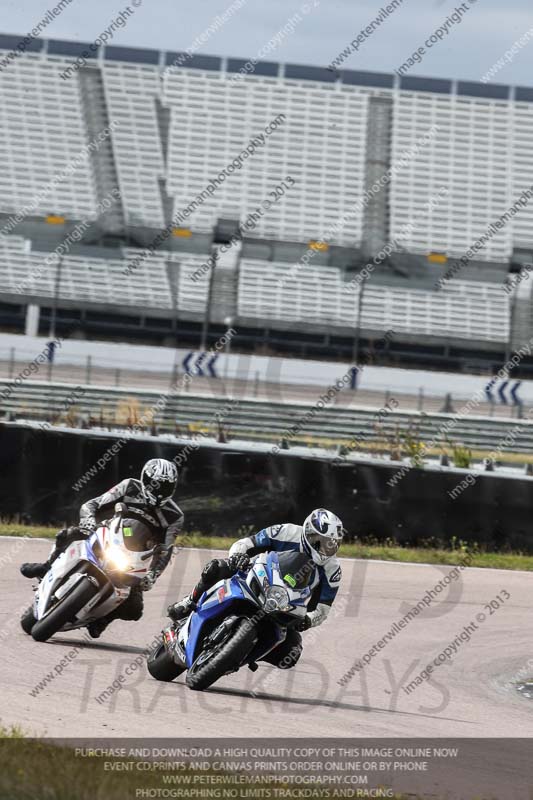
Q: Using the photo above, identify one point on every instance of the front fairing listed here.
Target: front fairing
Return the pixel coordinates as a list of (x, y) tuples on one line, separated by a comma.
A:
[(115, 549), (62, 569), (266, 572), (223, 599)]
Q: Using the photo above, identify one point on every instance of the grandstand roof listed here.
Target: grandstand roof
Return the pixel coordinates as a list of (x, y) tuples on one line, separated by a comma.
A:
[(164, 58)]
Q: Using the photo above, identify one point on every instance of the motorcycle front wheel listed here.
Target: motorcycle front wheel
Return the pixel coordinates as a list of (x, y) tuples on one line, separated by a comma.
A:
[(65, 611), (222, 658)]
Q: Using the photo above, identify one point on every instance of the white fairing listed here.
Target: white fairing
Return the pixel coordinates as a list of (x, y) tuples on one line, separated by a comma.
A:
[(54, 587), (183, 635)]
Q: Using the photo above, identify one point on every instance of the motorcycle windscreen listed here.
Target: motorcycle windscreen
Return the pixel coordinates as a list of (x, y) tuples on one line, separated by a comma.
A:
[(296, 569), (137, 536)]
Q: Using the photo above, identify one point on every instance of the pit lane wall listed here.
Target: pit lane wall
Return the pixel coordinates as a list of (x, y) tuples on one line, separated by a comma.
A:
[(234, 490)]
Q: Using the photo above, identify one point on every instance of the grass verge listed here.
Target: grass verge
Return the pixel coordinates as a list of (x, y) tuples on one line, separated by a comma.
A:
[(384, 552), (32, 769)]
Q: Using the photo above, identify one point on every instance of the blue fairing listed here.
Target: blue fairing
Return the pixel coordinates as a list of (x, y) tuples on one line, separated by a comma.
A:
[(209, 608), (271, 560), (89, 548)]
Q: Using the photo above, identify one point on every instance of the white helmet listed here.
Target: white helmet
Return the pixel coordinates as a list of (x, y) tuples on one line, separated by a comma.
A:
[(159, 479), (322, 535)]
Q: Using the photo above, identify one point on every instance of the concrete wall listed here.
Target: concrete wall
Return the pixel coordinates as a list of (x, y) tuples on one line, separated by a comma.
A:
[(227, 492)]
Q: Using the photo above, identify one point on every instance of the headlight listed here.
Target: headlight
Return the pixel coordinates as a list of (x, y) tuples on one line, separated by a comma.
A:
[(117, 558), (277, 599)]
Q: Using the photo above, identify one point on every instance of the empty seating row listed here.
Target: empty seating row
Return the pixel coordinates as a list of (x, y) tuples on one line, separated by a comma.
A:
[(318, 296), (266, 290)]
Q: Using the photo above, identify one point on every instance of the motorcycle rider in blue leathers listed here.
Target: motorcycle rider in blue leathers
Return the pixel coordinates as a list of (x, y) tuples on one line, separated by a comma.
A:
[(319, 538)]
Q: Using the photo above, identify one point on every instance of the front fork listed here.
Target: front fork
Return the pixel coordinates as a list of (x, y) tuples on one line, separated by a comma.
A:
[(272, 635)]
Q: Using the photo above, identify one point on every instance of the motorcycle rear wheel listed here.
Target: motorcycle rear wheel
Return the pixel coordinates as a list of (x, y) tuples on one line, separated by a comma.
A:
[(227, 657), (161, 665)]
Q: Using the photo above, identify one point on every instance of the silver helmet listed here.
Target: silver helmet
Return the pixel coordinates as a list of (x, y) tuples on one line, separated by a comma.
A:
[(322, 535)]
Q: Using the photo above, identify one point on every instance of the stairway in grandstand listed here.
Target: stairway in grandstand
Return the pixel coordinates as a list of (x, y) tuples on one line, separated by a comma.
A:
[(101, 158)]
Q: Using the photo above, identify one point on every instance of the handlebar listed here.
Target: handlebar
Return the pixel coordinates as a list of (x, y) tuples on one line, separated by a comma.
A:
[(155, 551)]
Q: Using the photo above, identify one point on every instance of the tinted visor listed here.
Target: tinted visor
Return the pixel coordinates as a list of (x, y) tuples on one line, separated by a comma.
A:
[(160, 489), (324, 545)]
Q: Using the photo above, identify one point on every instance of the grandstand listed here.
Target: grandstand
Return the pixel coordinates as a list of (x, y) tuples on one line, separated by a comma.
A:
[(451, 159)]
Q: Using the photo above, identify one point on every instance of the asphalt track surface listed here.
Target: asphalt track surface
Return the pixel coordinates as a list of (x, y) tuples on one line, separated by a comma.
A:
[(472, 695)]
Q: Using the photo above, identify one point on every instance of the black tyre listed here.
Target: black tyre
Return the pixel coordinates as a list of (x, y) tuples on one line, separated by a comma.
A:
[(65, 611), (226, 657), (27, 620), (161, 665)]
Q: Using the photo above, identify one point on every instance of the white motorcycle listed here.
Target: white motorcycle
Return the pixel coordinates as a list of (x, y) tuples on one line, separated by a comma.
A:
[(92, 577)]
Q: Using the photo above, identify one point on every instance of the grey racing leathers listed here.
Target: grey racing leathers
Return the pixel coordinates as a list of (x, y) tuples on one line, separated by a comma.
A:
[(164, 521)]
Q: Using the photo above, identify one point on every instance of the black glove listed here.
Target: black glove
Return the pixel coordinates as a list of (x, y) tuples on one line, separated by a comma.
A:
[(66, 536), (239, 562), (305, 624)]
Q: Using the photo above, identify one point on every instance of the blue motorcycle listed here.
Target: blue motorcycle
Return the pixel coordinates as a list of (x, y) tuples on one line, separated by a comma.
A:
[(237, 622)]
